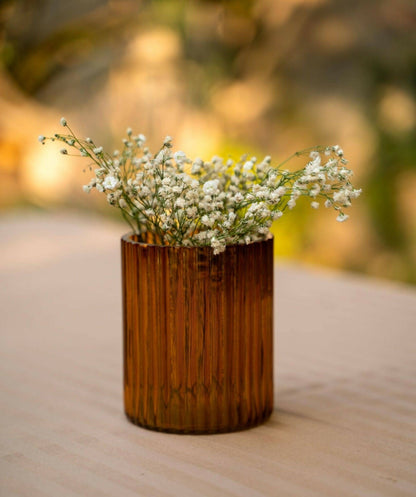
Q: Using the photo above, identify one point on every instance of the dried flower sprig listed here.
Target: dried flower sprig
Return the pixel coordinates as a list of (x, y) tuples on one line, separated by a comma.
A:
[(216, 203)]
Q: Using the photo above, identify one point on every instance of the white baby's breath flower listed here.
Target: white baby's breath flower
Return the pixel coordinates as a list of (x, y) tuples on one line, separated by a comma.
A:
[(41, 138), (86, 188), (211, 187), (180, 157), (314, 191), (274, 196), (122, 203), (207, 221), (276, 215), (98, 150), (180, 202), (315, 205), (110, 182), (63, 121), (191, 211), (217, 245), (196, 166), (342, 217), (343, 196)]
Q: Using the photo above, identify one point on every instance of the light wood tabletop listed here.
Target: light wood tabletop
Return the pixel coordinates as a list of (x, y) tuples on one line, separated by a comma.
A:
[(345, 382)]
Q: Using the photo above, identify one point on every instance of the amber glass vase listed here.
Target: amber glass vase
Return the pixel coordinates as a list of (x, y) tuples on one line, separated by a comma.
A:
[(198, 336)]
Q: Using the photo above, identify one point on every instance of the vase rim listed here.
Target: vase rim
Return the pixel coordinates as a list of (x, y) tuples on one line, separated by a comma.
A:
[(127, 238)]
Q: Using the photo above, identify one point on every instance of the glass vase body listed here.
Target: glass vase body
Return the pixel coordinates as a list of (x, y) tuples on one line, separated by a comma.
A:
[(198, 336)]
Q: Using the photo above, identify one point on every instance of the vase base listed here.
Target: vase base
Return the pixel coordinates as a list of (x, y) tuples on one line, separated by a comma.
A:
[(205, 431)]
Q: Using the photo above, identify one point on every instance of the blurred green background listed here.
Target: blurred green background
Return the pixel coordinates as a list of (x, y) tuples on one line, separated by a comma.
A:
[(268, 77)]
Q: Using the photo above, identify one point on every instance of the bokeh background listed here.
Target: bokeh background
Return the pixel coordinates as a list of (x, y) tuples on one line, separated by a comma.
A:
[(267, 77)]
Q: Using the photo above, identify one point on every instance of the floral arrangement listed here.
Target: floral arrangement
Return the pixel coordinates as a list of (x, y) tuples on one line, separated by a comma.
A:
[(208, 203)]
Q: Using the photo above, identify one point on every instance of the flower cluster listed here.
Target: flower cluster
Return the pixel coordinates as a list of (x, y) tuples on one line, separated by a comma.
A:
[(214, 203)]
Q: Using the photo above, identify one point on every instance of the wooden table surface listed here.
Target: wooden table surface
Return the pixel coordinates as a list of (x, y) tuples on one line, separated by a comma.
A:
[(344, 423)]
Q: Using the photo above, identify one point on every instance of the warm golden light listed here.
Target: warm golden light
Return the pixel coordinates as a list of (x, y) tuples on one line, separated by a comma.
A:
[(265, 77)]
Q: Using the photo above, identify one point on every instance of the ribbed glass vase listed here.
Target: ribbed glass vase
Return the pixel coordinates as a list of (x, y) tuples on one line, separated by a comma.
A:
[(198, 336)]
